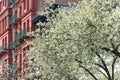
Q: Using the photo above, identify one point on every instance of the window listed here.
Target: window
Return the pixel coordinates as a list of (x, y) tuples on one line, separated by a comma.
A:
[(5, 61), (5, 22), (24, 25), (15, 58), (28, 25), (20, 64), (20, 11), (25, 4), (5, 42), (28, 5), (3, 25)]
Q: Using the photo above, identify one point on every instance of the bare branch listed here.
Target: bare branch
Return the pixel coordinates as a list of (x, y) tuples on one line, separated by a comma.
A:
[(105, 66), (106, 49), (114, 51), (113, 66), (117, 53), (89, 72), (102, 73)]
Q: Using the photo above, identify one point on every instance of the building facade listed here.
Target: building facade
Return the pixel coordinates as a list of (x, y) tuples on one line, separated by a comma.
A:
[(17, 17)]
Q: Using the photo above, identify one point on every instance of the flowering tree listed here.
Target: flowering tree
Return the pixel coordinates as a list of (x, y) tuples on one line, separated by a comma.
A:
[(73, 38)]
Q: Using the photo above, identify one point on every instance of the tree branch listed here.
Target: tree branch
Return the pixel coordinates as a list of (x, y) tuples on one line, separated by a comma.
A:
[(102, 68), (115, 49), (105, 66), (102, 73), (113, 66), (89, 72)]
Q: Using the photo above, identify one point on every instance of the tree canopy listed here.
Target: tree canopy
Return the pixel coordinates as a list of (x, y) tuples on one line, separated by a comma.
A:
[(71, 37)]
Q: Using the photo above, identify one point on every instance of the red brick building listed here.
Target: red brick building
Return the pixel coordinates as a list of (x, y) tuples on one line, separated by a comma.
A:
[(16, 18)]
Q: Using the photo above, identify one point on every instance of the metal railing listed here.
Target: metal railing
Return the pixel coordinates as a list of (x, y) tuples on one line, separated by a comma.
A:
[(13, 19), (11, 1), (18, 37), (11, 45), (20, 34), (1, 48)]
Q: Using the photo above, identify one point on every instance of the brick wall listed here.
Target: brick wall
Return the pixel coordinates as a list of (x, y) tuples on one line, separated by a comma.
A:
[(41, 3), (65, 2)]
